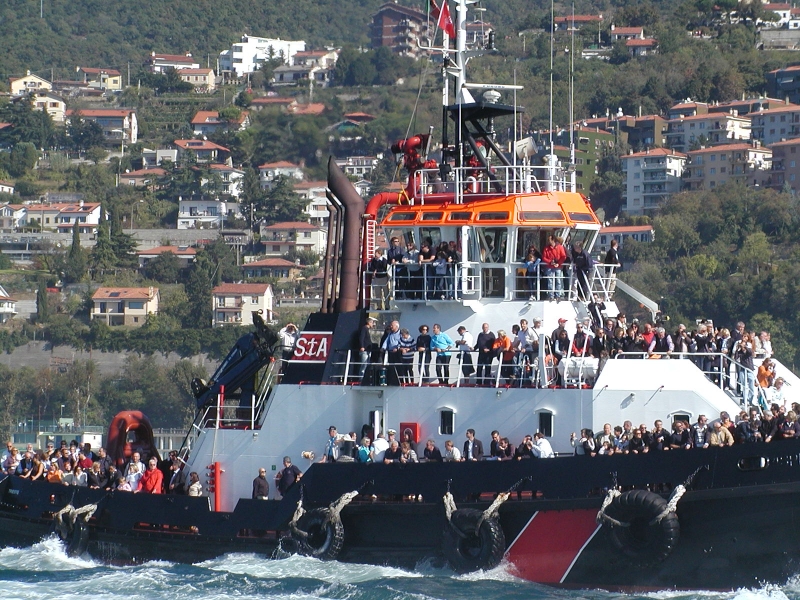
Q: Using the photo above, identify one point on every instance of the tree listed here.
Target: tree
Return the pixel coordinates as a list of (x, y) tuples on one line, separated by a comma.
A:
[(42, 305), (198, 291), (96, 154), (75, 267), (84, 134), (103, 257), (282, 203), (164, 268)]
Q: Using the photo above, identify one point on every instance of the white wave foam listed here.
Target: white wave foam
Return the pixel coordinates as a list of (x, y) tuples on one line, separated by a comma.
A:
[(765, 592), (256, 565), (47, 555)]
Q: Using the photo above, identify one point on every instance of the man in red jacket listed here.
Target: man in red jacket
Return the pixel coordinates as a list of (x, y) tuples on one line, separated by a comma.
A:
[(152, 479), (553, 258)]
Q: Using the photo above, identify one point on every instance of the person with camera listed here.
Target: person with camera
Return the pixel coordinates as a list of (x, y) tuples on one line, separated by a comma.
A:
[(541, 447)]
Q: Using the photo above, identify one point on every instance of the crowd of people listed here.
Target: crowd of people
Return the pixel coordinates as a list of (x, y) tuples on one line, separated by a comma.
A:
[(751, 426), (387, 449), (74, 464), (517, 354), (429, 272)]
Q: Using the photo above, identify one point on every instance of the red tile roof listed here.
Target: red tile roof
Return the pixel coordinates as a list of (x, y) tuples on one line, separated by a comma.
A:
[(791, 142), (579, 19), (195, 71), (655, 152), (95, 71), (728, 148), (100, 112), (292, 225), (145, 172), (271, 262), (178, 250), (315, 108), (199, 145), (281, 164), (626, 229), (641, 43), (119, 293), (627, 31), (241, 288), (777, 109), (272, 100)]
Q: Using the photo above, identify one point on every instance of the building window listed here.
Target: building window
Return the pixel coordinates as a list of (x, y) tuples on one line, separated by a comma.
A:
[(136, 305), (276, 248), (636, 175), (636, 188), (712, 171), (254, 300)]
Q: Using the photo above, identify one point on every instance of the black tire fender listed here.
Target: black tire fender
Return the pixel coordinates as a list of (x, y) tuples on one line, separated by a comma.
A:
[(324, 537), (643, 541), (468, 547)]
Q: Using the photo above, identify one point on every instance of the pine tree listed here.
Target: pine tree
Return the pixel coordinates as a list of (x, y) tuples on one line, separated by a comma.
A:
[(75, 269), (103, 256), (42, 307)]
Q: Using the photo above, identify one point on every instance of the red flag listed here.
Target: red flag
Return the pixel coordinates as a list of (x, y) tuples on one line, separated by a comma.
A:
[(445, 22)]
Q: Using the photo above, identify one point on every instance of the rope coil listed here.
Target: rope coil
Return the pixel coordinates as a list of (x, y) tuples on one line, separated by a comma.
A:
[(449, 506)]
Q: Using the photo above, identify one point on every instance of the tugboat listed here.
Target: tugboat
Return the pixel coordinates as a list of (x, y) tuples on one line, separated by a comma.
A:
[(684, 518)]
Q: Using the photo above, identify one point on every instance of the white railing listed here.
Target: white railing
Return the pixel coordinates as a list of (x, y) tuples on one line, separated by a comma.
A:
[(465, 181), (420, 283), (718, 367), (222, 415), (523, 370)]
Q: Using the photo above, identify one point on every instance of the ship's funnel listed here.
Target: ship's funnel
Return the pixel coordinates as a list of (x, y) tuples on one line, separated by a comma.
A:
[(350, 244)]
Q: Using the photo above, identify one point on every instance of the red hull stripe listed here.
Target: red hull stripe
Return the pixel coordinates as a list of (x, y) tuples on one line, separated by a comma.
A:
[(550, 543)]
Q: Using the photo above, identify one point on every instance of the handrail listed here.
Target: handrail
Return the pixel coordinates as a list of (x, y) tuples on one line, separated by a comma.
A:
[(722, 376)]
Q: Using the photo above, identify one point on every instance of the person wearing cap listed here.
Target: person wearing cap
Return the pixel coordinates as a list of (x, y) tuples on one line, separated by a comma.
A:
[(484, 345), (365, 345), (379, 269), (331, 452), (562, 322)]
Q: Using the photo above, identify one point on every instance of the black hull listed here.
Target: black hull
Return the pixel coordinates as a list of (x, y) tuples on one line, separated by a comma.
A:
[(739, 523)]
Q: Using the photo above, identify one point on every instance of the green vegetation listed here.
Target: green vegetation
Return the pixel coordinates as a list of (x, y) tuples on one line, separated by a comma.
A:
[(727, 254), (163, 393)]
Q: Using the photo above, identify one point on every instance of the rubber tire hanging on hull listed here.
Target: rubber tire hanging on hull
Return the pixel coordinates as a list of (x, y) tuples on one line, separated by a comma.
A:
[(643, 542), (325, 537), (78, 539), (481, 548)]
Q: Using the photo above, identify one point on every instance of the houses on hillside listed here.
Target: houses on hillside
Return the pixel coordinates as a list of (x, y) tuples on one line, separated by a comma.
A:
[(124, 306), (234, 303)]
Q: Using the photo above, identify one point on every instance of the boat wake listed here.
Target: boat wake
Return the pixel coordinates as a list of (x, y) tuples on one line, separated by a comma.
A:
[(44, 571)]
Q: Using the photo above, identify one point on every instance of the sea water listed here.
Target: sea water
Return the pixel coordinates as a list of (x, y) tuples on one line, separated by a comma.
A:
[(44, 571)]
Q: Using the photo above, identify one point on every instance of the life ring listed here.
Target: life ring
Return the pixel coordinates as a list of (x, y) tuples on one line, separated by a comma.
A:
[(323, 536), (643, 538), (469, 547), (78, 540)]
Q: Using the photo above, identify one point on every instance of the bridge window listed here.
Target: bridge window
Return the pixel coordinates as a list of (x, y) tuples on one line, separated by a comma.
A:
[(493, 216), (402, 216), (530, 237), (460, 216), (431, 236), (546, 423), (431, 216), (492, 243), (447, 421)]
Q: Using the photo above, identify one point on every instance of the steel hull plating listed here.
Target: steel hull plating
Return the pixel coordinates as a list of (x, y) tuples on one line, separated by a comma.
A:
[(738, 524)]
